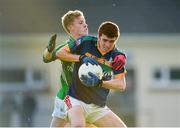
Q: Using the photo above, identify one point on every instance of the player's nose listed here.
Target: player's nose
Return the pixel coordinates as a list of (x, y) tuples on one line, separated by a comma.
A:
[(108, 45), (85, 25)]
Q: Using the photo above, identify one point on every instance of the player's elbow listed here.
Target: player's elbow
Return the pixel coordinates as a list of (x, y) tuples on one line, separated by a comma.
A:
[(46, 60), (121, 82), (122, 86)]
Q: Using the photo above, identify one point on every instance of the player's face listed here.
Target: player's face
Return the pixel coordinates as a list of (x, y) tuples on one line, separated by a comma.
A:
[(105, 43), (79, 27)]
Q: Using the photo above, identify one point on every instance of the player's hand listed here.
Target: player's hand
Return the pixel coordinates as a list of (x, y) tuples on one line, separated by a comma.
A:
[(91, 81), (106, 77), (86, 60), (119, 62), (52, 43)]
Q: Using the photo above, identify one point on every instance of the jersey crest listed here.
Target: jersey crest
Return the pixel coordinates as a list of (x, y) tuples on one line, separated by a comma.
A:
[(78, 41)]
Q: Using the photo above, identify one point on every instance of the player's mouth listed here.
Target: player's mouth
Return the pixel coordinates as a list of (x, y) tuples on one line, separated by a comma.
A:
[(86, 30)]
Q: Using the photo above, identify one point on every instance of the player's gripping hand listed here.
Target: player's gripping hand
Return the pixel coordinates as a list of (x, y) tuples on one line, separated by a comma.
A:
[(91, 81), (106, 77), (119, 62), (86, 60), (52, 43)]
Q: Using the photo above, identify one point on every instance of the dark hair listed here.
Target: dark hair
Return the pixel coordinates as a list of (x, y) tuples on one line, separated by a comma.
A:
[(109, 29)]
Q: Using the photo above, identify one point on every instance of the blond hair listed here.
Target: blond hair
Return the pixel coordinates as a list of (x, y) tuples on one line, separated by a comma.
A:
[(69, 17)]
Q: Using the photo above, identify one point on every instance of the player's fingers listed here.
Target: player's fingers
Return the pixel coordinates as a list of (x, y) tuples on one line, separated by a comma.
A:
[(95, 62), (83, 77), (115, 59), (54, 36), (86, 63), (118, 67), (91, 74), (118, 63), (53, 39)]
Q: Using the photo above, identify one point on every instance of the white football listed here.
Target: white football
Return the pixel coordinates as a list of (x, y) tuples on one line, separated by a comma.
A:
[(95, 69)]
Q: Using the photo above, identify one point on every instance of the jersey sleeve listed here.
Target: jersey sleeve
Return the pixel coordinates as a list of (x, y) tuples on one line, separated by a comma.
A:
[(119, 73), (122, 71), (75, 45)]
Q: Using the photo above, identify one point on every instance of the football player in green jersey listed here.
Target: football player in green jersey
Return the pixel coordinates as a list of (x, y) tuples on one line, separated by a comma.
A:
[(75, 25)]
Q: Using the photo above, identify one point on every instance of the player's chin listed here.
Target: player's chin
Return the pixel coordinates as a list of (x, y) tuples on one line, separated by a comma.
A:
[(86, 31), (84, 34), (105, 49)]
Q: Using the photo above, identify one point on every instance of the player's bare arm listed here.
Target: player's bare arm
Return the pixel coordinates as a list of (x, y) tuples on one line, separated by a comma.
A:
[(65, 55), (115, 84)]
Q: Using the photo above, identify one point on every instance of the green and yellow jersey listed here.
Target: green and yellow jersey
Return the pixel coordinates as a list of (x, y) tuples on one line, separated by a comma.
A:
[(66, 73)]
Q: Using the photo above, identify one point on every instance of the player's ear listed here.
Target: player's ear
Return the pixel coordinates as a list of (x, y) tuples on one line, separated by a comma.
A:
[(70, 27), (99, 37)]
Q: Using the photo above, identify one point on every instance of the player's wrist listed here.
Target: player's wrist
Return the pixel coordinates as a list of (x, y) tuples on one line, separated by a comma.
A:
[(81, 57), (100, 83)]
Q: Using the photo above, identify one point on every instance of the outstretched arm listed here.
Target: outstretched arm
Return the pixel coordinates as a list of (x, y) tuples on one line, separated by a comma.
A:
[(65, 55), (48, 52)]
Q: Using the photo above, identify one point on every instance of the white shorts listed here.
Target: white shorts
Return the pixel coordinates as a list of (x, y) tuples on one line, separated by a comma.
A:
[(92, 112), (59, 109)]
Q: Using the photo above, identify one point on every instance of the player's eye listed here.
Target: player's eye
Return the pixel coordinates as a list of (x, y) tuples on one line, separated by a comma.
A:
[(105, 40), (112, 41), (81, 22)]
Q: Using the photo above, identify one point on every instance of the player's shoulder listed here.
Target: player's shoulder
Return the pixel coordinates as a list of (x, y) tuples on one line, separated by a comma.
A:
[(82, 41), (116, 51), (87, 38), (60, 46)]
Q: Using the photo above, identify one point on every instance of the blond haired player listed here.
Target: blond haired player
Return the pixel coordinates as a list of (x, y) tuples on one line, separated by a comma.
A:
[(74, 24)]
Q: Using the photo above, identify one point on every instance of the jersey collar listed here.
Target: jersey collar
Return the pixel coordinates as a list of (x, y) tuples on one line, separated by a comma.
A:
[(71, 38)]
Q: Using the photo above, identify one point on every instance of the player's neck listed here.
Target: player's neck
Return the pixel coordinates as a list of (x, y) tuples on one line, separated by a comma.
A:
[(76, 36), (73, 35)]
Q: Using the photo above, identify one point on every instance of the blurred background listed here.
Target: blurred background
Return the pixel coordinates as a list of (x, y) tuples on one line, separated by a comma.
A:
[(150, 36)]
